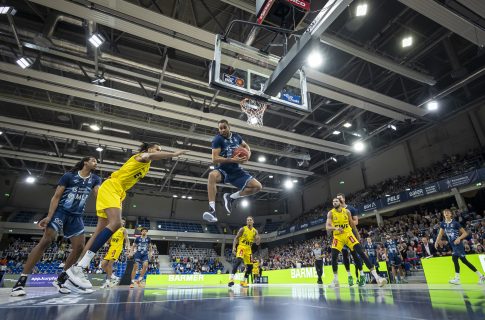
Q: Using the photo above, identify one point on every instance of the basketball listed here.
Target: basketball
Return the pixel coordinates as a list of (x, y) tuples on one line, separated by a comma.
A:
[(240, 152)]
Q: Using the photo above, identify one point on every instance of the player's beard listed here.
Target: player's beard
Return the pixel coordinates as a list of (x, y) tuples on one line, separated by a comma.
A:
[(336, 206)]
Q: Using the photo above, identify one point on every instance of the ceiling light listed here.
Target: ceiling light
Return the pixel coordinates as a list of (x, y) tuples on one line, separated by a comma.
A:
[(407, 42), (99, 80), (24, 62), (288, 184), (35, 222), (30, 179), (359, 146), (388, 195), (175, 196), (212, 167), (341, 182), (189, 197), (432, 105), (314, 59), (184, 197), (96, 40), (159, 226), (262, 159), (244, 203), (294, 181), (407, 189), (99, 149), (1, 132), (392, 127), (8, 10), (347, 124), (276, 210), (336, 132), (356, 134), (95, 127), (271, 177), (333, 159), (253, 120), (361, 10)]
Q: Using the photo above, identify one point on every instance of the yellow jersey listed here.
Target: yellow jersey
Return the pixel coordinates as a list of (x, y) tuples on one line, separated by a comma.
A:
[(117, 238), (247, 237), (256, 267), (341, 219), (131, 172)]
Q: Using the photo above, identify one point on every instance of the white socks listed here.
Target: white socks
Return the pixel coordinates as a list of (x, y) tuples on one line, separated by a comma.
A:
[(457, 275), (212, 204), (374, 273), (86, 260), (362, 273), (479, 274), (236, 195), (349, 274)]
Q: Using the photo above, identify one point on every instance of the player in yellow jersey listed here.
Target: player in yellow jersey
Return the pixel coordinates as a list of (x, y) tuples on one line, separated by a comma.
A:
[(114, 252), (255, 271), (241, 248), (108, 204), (345, 232)]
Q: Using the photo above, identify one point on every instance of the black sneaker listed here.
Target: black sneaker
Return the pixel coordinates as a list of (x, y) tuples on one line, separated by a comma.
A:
[(18, 289), (210, 215), (231, 283), (61, 287), (228, 201), (320, 281)]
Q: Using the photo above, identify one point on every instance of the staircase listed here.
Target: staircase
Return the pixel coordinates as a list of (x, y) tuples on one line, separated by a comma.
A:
[(165, 265)]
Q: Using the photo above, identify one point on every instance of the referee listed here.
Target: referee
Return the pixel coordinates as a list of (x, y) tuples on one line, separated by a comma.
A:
[(318, 254)]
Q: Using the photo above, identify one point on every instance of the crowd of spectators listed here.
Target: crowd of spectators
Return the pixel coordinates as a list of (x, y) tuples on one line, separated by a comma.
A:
[(186, 259), (448, 167)]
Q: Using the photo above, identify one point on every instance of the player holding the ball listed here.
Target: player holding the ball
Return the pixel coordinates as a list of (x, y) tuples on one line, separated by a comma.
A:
[(229, 151)]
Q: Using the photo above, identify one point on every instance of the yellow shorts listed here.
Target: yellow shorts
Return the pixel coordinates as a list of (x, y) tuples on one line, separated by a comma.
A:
[(110, 195), (245, 253), (347, 239), (113, 253)]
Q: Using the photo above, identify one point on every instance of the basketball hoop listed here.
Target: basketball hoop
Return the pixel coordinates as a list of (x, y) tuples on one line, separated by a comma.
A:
[(254, 110)]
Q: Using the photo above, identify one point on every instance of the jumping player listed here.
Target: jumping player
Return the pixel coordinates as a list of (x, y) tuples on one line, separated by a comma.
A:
[(108, 204), (244, 239), (345, 232), (114, 252), (228, 170), (455, 234), (65, 214), (345, 249), (142, 247)]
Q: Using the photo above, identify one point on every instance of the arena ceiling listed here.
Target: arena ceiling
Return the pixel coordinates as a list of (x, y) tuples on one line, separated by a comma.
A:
[(367, 80)]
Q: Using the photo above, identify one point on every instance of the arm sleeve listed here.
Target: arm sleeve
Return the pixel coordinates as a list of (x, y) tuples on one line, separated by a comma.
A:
[(64, 180), (353, 211)]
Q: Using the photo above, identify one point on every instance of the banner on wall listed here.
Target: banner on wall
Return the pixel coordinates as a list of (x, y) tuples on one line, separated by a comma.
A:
[(458, 181), (45, 280)]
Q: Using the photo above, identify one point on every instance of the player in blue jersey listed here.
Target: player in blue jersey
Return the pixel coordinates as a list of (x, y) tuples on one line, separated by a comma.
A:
[(65, 214), (345, 250), (395, 259), (371, 251), (455, 234), (228, 170), (142, 250)]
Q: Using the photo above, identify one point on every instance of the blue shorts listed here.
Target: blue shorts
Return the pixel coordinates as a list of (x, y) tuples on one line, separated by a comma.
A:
[(394, 259), (373, 260), (71, 225), (141, 258), (236, 176), (458, 250)]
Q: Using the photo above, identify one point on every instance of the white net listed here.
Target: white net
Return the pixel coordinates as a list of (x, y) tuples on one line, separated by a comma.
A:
[(254, 110)]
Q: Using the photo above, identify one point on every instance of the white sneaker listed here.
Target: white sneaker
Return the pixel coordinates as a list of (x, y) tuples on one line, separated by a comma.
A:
[(334, 283), (76, 289), (106, 284), (481, 280), (455, 281), (381, 281), (209, 216), (60, 287), (113, 282), (18, 292), (78, 277)]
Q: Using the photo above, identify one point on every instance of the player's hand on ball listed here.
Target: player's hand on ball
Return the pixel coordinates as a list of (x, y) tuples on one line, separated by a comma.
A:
[(240, 160), (44, 222)]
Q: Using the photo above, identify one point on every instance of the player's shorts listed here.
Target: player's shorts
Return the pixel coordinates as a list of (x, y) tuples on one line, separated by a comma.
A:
[(245, 253), (70, 224), (236, 176), (346, 239), (458, 250), (113, 253), (110, 195), (373, 260), (394, 259), (141, 258)]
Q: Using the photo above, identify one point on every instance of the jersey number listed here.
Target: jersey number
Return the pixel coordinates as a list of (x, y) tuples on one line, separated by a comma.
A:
[(137, 176), (352, 239), (335, 242)]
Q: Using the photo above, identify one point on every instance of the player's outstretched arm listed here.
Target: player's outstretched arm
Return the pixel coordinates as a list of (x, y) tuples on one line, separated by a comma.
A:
[(236, 240), (145, 157)]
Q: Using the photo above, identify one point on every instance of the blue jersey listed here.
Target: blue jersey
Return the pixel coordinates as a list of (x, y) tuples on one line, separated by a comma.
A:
[(452, 230), (391, 246), (142, 245), (370, 249), (227, 146), (352, 209), (76, 192)]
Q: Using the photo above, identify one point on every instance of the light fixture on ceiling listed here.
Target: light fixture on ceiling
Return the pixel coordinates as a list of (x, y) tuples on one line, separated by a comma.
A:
[(95, 127), (333, 159), (432, 105), (244, 203), (175, 196), (262, 159), (99, 149), (30, 179), (8, 10), (392, 127), (189, 197), (314, 59), (212, 167), (96, 40), (99, 80), (361, 10), (288, 184), (24, 62), (356, 134), (336, 132), (407, 41), (359, 146), (347, 125), (294, 181), (270, 176)]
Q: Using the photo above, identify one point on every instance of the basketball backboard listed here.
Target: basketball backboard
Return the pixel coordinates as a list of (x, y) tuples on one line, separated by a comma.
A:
[(244, 70)]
